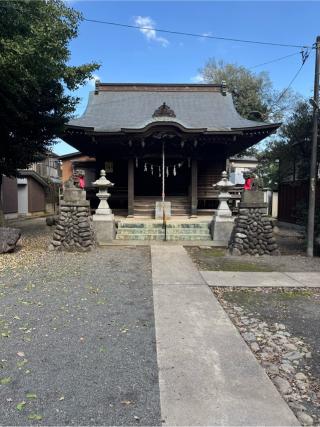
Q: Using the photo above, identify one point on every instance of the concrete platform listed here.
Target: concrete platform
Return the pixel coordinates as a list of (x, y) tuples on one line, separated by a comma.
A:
[(261, 279)]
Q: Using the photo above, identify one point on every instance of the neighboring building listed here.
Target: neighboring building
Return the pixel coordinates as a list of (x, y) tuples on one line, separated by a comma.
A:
[(238, 165), (33, 192), (25, 195), (48, 168), (131, 129)]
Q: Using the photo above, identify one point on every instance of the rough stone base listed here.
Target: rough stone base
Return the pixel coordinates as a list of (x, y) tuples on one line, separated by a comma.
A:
[(8, 239), (74, 228), (253, 232)]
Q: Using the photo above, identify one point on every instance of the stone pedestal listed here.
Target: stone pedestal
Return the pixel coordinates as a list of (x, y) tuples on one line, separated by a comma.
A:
[(104, 227), (221, 228), (222, 223), (163, 206), (103, 220)]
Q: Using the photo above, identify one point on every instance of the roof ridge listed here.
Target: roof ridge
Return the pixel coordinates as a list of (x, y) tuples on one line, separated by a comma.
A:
[(161, 84), (159, 87)]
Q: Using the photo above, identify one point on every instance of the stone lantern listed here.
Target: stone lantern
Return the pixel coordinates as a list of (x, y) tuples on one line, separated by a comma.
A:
[(222, 223), (103, 220), (103, 184), (224, 185)]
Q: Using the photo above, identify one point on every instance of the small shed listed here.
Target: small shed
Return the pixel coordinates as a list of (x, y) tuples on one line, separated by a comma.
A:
[(31, 193)]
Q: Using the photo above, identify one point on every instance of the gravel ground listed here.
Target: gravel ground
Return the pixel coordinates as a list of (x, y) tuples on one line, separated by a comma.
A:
[(31, 248), (296, 312), (77, 337)]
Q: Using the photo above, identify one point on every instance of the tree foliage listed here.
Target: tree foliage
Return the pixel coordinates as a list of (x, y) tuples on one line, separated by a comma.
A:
[(252, 93), (34, 76), (289, 152)]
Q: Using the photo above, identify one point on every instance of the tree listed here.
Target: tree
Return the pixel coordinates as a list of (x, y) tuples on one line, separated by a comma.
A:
[(253, 94), (34, 78), (289, 152)]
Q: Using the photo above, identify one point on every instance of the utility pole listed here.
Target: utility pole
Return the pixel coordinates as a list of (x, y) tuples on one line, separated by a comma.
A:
[(314, 147)]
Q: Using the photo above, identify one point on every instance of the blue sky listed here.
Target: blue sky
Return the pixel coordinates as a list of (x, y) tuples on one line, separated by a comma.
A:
[(130, 55)]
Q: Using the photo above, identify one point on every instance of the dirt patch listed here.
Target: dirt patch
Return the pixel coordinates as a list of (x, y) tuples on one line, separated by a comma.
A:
[(219, 260), (282, 329)]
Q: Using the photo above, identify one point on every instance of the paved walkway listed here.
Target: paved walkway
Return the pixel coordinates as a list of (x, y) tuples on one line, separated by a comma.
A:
[(261, 279), (207, 374)]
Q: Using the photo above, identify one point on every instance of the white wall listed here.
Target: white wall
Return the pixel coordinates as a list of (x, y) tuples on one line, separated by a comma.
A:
[(274, 204), (22, 199)]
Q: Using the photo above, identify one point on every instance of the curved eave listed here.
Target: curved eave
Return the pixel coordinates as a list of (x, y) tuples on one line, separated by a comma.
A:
[(163, 123), (267, 128), (75, 127)]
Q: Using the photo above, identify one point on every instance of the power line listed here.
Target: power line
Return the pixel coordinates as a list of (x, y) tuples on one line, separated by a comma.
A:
[(305, 56), (275, 60), (206, 36)]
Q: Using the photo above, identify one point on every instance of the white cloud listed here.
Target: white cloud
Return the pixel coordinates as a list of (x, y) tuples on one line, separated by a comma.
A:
[(147, 25), (92, 82), (198, 78)]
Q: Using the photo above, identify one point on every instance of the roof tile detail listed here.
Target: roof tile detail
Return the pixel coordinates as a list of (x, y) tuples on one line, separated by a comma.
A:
[(112, 110)]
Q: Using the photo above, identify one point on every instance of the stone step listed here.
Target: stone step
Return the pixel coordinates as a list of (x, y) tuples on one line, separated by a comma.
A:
[(160, 233), (153, 202), (196, 226), (151, 213), (189, 237), (128, 230), (169, 229)]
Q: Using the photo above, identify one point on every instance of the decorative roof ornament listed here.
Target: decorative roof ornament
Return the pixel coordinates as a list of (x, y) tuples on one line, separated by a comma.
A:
[(164, 111)]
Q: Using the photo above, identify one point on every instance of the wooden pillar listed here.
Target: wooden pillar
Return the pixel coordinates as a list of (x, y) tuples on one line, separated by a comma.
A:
[(130, 188), (194, 187)]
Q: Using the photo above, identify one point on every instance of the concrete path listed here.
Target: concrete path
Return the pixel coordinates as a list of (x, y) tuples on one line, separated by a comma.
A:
[(171, 265), (207, 374), (261, 279)]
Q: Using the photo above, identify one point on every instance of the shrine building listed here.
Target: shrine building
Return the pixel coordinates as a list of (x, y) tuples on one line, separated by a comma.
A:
[(161, 138)]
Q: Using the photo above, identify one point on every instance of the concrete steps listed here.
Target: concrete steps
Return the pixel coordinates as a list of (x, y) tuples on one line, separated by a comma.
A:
[(154, 231)]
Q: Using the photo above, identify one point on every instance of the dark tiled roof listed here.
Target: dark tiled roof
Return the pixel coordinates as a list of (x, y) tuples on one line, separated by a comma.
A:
[(119, 107)]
